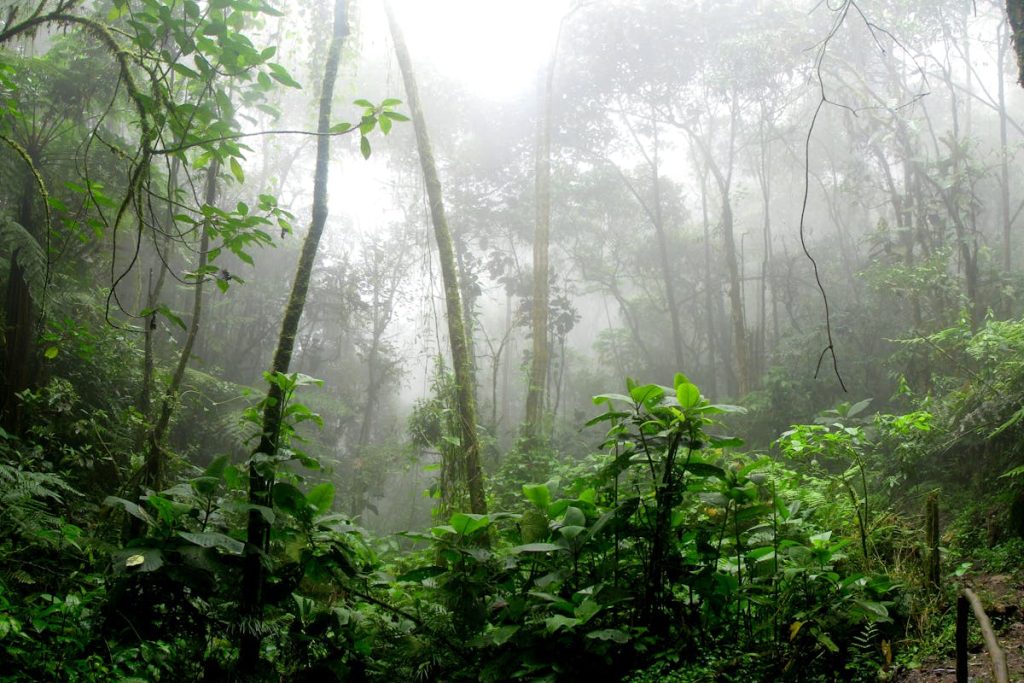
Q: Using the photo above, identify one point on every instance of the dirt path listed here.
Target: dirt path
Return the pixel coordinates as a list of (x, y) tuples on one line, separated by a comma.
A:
[(1003, 598)]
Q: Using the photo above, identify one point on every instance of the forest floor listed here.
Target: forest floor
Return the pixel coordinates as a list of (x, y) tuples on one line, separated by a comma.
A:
[(1002, 596)]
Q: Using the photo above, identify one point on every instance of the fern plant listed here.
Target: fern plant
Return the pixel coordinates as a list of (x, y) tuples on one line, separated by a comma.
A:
[(17, 242)]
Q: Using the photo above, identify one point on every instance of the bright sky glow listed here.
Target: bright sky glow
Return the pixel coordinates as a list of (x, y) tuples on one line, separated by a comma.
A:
[(495, 47)]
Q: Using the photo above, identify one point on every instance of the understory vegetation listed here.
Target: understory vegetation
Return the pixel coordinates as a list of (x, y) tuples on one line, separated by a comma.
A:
[(671, 551)]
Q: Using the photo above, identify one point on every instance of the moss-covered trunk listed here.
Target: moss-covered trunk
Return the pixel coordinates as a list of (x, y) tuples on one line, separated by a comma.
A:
[(260, 485), (1015, 13), (470, 443)]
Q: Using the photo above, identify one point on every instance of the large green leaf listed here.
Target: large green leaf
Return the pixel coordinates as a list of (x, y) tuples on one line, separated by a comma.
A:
[(535, 548), (321, 497), (538, 494), (612, 634), (608, 398), (703, 469), (131, 508), (647, 395), (688, 395), (574, 517), (289, 498), (213, 539), (465, 523)]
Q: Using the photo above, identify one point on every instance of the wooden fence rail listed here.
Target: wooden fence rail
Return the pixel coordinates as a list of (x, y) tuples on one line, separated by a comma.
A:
[(995, 653)]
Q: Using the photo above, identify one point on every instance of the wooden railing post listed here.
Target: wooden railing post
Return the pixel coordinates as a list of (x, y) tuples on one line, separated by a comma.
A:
[(961, 639), (1000, 673), (931, 529)]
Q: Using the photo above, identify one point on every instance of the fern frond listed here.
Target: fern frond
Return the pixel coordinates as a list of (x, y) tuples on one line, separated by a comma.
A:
[(17, 242)]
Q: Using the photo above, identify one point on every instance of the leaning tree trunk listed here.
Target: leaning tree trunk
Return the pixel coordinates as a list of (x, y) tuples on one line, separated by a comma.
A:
[(464, 380), (260, 486)]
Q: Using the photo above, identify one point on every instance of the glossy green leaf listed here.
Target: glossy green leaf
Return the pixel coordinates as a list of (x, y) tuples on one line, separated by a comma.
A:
[(688, 395)]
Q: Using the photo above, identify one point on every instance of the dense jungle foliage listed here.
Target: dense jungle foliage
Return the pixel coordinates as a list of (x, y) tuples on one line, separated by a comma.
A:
[(264, 422)]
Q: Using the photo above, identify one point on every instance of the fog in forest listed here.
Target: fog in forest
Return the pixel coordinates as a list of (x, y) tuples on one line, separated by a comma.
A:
[(430, 269)]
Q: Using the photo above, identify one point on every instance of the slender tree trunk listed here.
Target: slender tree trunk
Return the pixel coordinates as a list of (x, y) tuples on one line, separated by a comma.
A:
[(461, 361), (739, 329), (260, 486), (144, 402), (506, 364), (671, 300), (539, 361), (764, 176), (152, 475), (468, 302), (710, 291), (740, 344), (1004, 153)]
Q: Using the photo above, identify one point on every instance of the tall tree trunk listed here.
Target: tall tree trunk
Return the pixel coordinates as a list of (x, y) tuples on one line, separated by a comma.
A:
[(654, 212), (710, 291), (18, 333), (765, 180), (260, 486), (19, 321), (671, 300), (461, 361), (740, 343), (739, 328), (534, 426), (1004, 152)]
